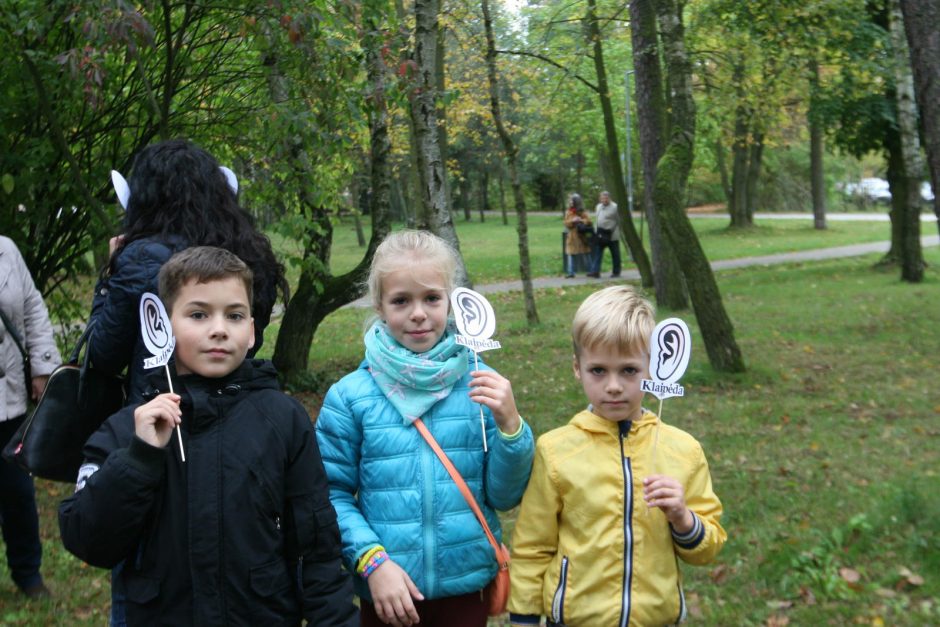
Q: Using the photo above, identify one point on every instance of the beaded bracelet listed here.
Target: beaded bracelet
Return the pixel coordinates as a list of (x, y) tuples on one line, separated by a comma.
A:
[(374, 562)]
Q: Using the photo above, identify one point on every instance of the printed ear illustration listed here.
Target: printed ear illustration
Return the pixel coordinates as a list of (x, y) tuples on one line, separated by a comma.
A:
[(231, 178), (670, 347), (473, 314), (121, 187)]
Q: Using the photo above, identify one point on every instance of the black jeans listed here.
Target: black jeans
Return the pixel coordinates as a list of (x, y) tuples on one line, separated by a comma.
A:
[(20, 520), (614, 246)]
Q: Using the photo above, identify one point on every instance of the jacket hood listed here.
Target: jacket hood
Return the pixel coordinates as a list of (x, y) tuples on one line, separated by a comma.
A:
[(589, 421)]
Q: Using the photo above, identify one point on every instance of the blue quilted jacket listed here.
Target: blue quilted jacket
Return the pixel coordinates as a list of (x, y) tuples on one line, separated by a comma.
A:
[(389, 489)]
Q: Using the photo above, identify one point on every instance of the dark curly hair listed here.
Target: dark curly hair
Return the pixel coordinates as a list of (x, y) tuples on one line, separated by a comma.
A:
[(177, 190)]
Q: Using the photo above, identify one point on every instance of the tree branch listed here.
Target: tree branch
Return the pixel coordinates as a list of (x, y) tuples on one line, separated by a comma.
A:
[(535, 55)]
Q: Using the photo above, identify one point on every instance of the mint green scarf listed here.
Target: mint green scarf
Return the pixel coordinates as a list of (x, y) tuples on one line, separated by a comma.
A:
[(414, 382)]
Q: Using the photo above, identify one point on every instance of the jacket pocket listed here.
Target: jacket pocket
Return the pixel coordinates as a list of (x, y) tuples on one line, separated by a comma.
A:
[(558, 600), (269, 579), (276, 601), (141, 590)]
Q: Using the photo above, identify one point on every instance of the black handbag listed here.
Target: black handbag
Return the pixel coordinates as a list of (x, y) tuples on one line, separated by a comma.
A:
[(585, 228), (76, 401)]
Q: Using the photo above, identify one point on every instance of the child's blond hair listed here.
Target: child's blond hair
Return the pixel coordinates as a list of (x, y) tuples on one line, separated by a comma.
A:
[(617, 317), (406, 249)]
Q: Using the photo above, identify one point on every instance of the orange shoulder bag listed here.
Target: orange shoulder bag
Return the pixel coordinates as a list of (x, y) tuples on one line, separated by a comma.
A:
[(496, 593)]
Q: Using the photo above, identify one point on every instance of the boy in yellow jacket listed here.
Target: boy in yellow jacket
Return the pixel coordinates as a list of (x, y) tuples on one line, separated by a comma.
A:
[(611, 507)]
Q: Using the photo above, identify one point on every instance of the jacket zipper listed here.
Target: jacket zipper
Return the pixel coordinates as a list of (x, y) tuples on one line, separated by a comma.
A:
[(558, 601), (627, 534), (430, 548)]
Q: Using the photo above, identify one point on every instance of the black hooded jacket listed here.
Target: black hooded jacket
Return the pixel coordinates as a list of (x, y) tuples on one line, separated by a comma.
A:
[(241, 533)]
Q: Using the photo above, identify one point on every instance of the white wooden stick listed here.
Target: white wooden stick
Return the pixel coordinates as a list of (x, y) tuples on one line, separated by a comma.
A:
[(476, 366), (179, 435)]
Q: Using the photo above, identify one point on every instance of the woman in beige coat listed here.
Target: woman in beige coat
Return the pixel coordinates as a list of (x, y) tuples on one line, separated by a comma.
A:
[(577, 242), (22, 306)]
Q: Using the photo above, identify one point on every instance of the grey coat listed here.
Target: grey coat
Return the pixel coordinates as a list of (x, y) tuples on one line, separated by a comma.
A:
[(23, 305)]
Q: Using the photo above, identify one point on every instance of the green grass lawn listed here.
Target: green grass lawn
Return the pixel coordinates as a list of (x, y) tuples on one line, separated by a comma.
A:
[(826, 453), (490, 249)]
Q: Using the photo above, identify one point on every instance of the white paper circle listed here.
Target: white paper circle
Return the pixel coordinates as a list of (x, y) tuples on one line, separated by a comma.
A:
[(155, 327), (670, 348), (473, 314)]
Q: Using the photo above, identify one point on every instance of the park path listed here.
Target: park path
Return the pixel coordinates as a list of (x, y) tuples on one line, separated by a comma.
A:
[(818, 254)]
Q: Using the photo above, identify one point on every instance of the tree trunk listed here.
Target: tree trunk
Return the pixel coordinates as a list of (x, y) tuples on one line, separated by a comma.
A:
[(511, 151), (579, 171), (483, 197), (502, 197), (423, 100), (737, 206), (319, 293), (755, 160), (911, 254), (898, 186), (464, 189), (619, 191), (651, 119), (816, 172), (921, 19), (669, 193)]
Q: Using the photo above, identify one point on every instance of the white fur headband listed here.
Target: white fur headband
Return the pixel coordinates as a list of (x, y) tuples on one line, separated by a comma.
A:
[(124, 191)]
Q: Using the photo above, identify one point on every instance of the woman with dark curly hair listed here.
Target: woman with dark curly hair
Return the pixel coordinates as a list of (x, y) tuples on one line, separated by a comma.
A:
[(178, 197)]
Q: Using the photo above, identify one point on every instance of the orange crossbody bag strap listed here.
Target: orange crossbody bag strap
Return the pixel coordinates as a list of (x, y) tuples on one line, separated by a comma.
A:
[(462, 485)]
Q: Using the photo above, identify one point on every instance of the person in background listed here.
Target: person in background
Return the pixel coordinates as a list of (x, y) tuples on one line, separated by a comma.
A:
[(179, 197), (577, 243), (24, 310), (607, 221)]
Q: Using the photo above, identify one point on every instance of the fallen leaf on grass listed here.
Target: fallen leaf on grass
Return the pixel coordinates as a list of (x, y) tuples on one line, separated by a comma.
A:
[(779, 605), (908, 578), (850, 575), (806, 593), (777, 620), (886, 593), (719, 574)]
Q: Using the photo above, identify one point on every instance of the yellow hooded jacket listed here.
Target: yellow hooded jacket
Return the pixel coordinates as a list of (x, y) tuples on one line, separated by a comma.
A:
[(586, 550)]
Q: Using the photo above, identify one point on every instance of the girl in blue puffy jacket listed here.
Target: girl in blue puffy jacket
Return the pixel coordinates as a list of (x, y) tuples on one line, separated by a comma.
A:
[(407, 531)]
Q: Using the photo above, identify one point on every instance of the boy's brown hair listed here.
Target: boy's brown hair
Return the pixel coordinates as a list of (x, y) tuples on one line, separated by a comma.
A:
[(201, 264), (618, 317)]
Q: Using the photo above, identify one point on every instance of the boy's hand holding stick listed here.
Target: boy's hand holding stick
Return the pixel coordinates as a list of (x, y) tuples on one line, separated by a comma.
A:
[(670, 349), (158, 337)]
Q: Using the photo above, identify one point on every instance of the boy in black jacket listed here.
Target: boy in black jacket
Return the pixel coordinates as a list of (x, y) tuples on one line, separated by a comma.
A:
[(242, 532)]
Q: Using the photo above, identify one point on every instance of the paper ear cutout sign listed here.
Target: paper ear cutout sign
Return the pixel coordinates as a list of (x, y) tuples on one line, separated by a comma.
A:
[(123, 190), (475, 319), (121, 187), (231, 178), (156, 330), (670, 348)]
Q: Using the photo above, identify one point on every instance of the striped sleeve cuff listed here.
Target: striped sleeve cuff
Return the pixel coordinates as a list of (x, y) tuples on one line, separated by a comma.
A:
[(524, 620), (693, 537)]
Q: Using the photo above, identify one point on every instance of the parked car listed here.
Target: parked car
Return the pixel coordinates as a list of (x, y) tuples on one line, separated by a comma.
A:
[(877, 190)]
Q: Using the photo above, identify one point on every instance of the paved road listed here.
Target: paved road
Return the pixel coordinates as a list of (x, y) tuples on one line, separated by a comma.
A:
[(820, 254)]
